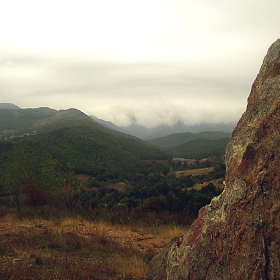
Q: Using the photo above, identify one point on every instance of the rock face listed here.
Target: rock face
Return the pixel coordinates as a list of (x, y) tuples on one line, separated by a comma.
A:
[(237, 236)]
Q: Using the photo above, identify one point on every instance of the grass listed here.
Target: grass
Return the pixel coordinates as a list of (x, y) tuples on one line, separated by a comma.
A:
[(78, 248), (194, 172)]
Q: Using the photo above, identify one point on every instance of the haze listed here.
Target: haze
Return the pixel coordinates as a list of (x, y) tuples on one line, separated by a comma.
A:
[(146, 62)]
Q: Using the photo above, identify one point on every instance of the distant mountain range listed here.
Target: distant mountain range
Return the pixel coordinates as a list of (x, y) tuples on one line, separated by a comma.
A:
[(164, 130), (193, 145), (177, 139), (134, 129), (17, 123)]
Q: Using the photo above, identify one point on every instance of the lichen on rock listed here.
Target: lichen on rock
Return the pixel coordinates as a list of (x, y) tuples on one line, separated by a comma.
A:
[(237, 236)]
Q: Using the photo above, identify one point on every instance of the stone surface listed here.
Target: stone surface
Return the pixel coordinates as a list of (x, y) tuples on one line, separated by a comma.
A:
[(237, 236)]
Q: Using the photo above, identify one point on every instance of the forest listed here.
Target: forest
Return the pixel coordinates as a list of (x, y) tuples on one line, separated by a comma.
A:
[(33, 177)]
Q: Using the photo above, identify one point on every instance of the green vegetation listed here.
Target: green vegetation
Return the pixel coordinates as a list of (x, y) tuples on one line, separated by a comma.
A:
[(178, 139), (199, 149), (193, 145), (44, 169), (60, 164), (21, 122)]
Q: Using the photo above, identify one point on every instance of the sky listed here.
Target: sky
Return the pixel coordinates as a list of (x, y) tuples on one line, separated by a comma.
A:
[(149, 62)]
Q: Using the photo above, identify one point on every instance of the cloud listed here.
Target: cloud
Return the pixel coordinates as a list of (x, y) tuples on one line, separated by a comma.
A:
[(150, 62), (149, 94)]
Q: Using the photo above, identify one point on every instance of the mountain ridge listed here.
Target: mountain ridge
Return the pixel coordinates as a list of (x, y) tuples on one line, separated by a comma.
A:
[(135, 129), (9, 106), (148, 134), (177, 139), (16, 122)]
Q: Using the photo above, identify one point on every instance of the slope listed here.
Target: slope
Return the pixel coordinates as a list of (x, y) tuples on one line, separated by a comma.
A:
[(16, 122), (199, 148), (9, 106), (174, 139), (88, 149), (177, 139)]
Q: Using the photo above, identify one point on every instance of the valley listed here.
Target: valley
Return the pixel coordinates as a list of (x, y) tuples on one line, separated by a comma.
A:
[(75, 181)]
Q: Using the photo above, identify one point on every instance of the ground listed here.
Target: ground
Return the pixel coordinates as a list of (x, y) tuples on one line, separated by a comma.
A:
[(36, 246)]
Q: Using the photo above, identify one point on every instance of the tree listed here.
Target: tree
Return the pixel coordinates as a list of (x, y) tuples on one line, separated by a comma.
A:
[(35, 196), (22, 180), (64, 182)]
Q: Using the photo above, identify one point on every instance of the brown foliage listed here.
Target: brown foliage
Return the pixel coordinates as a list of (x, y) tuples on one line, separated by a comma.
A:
[(34, 195)]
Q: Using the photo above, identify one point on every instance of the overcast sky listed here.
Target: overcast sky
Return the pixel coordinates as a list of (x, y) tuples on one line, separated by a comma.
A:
[(150, 61)]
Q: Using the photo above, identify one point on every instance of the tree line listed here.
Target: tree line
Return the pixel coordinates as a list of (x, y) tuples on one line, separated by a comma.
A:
[(32, 181)]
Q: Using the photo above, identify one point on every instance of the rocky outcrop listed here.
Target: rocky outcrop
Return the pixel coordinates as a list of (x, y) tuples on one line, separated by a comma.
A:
[(237, 236)]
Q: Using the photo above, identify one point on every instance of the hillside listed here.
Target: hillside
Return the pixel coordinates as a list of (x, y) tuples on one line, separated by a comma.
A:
[(15, 122), (174, 139), (110, 125), (9, 106), (177, 139), (160, 131), (72, 138), (93, 151), (193, 145), (214, 135), (199, 148)]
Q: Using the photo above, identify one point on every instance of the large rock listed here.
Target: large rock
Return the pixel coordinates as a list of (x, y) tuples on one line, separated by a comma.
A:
[(237, 236)]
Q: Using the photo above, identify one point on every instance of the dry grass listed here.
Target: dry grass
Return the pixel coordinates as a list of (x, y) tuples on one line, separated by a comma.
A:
[(76, 248), (194, 172), (218, 183)]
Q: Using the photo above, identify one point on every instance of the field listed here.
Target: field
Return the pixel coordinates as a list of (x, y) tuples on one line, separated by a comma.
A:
[(194, 172), (76, 248)]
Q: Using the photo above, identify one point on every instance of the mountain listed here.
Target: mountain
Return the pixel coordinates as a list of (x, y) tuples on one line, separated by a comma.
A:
[(179, 127), (237, 236), (214, 135), (71, 137), (16, 122), (110, 125), (8, 106), (199, 148), (90, 150), (177, 139), (164, 130), (193, 145)]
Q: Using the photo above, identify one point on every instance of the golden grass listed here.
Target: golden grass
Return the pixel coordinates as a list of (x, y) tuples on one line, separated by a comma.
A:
[(172, 230), (134, 266), (77, 248), (194, 172)]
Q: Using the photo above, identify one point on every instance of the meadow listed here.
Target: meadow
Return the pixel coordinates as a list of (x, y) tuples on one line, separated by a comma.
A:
[(79, 248)]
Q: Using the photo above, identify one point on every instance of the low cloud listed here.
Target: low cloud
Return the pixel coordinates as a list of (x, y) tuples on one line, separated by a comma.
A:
[(151, 63), (148, 94)]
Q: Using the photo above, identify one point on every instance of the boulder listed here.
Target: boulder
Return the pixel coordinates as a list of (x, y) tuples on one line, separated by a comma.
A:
[(237, 236)]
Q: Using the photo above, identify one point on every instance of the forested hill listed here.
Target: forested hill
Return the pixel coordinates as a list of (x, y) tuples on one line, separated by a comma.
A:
[(72, 139), (8, 106), (199, 149), (177, 139), (16, 122), (193, 145)]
